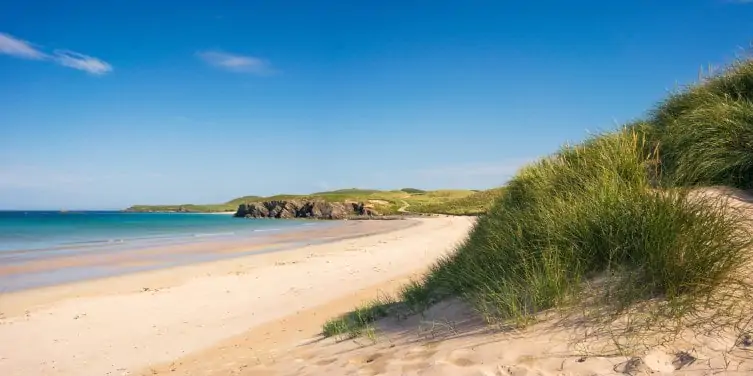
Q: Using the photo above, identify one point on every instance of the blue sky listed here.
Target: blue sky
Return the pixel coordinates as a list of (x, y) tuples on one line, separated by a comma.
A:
[(108, 104)]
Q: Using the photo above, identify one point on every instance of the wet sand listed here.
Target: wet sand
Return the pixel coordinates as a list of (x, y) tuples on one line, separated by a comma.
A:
[(82, 266)]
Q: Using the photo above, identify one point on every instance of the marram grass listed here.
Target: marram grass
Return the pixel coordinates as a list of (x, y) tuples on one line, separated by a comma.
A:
[(706, 132), (614, 224)]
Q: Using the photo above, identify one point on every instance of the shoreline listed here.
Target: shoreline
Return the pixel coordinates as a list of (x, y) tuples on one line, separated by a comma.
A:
[(81, 267), (130, 322), (224, 252)]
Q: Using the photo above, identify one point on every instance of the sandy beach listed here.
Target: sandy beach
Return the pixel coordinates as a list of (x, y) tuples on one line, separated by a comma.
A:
[(134, 323), (262, 315)]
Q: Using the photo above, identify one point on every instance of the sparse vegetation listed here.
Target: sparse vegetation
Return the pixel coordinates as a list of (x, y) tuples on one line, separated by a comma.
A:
[(617, 217), (359, 321)]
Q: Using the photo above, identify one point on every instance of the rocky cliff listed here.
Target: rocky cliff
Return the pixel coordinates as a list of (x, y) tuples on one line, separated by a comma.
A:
[(313, 209)]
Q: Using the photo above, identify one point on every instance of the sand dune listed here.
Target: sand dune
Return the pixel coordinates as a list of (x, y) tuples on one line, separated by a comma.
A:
[(451, 339)]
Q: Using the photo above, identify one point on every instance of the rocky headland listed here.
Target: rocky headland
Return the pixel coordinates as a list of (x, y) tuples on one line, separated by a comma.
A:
[(311, 209)]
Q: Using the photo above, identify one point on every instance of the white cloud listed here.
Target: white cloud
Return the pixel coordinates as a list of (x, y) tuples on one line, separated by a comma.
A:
[(82, 62), (19, 48), (236, 63), (10, 45)]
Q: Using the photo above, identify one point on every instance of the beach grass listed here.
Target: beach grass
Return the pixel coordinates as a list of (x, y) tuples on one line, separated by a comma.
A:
[(617, 221), (591, 211), (706, 130), (359, 321)]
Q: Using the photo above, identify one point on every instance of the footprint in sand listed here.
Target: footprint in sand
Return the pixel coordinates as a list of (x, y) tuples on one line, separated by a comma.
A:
[(418, 353), (367, 359), (374, 364), (462, 362), (462, 358)]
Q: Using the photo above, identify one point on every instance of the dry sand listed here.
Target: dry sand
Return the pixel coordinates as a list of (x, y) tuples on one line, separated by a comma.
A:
[(123, 325)]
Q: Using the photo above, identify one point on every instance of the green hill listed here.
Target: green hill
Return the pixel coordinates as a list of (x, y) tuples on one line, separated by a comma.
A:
[(240, 200), (456, 202)]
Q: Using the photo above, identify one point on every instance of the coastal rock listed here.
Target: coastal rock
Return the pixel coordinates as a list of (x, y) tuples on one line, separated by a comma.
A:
[(312, 209)]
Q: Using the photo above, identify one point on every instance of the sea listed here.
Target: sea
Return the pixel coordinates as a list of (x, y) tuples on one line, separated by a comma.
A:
[(31, 241)]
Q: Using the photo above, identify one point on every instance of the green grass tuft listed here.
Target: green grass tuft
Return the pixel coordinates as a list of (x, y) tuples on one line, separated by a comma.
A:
[(417, 296), (359, 321)]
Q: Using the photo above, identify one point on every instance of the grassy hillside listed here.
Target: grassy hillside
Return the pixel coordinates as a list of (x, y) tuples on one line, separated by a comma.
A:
[(237, 201), (611, 225), (474, 203), (458, 202)]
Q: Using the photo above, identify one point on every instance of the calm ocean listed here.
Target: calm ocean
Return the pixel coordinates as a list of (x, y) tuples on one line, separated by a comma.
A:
[(35, 236), (48, 231)]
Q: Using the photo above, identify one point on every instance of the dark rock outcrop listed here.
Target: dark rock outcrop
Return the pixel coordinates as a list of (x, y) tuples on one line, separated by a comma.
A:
[(312, 209)]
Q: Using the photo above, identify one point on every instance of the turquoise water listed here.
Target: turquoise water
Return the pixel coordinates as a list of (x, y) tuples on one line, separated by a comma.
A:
[(37, 234), (47, 248)]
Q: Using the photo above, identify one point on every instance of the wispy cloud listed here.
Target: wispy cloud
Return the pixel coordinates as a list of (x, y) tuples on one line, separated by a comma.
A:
[(82, 62), (12, 46), (19, 48), (236, 63)]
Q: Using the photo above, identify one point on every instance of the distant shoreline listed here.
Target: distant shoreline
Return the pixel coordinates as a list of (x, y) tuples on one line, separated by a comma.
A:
[(381, 202)]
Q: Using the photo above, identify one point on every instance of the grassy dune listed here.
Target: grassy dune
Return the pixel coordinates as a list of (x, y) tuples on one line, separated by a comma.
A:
[(616, 212)]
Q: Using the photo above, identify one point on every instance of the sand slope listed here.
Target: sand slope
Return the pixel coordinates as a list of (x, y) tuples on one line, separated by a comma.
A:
[(451, 340)]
